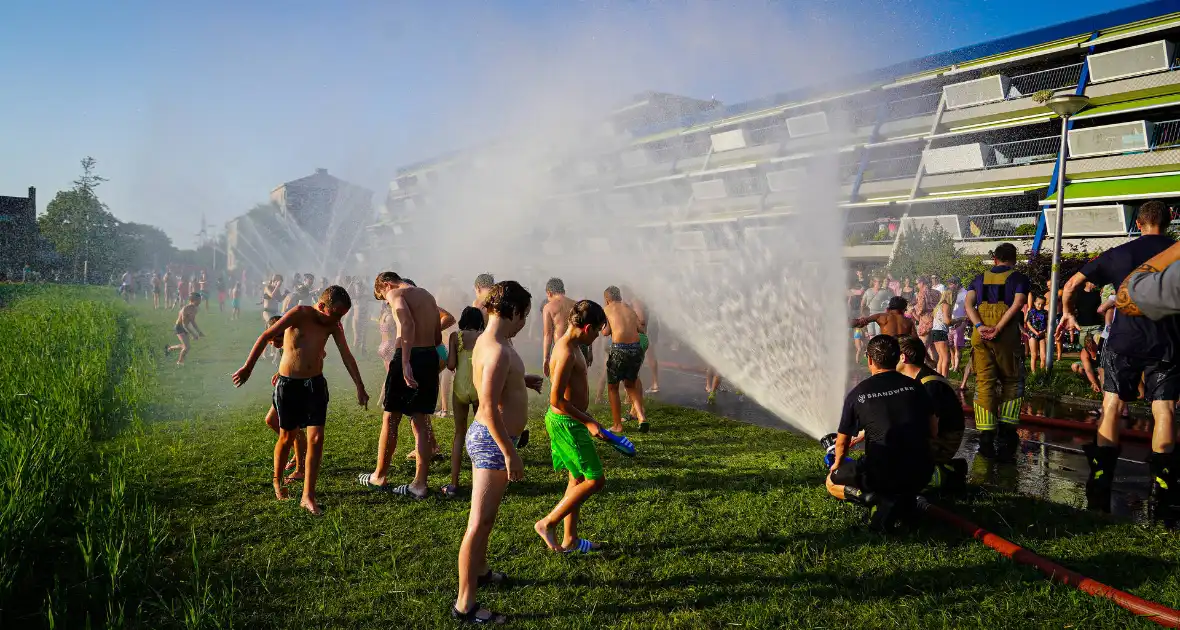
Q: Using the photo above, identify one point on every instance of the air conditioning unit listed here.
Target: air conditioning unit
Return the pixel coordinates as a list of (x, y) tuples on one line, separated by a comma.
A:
[(1106, 220), (1125, 137), (1130, 62), (709, 189), (637, 158), (729, 140), (948, 222), (689, 241), (786, 179), (963, 157), (808, 125), (976, 92)]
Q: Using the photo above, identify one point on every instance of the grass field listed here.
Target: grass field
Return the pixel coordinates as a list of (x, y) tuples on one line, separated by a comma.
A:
[(715, 524)]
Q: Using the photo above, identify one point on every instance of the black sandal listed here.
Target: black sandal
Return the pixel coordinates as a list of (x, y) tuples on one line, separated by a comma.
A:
[(523, 440), (472, 616), (492, 578)]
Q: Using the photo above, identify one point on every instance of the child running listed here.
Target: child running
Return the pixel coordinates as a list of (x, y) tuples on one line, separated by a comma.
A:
[(503, 386), (464, 398), (301, 392), (570, 427), (186, 326)]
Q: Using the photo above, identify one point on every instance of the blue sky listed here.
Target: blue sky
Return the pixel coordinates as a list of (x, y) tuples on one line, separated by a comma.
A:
[(202, 107)]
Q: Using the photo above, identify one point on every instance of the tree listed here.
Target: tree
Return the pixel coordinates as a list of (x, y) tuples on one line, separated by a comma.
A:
[(922, 251), (141, 246), (80, 227)]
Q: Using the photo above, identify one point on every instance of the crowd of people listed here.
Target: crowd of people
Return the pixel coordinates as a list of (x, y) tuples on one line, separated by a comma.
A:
[(487, 377), (911, 419)]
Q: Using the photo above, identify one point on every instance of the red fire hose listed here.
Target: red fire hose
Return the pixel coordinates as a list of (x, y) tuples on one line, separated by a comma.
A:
[(1152, 611)]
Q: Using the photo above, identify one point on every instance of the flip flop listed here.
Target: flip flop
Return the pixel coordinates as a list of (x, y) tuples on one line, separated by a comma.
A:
[(450, 491), (365, 480), (523, 440), (620, 442), (492, 578), (471, 616), (404, 490), (583, 546)]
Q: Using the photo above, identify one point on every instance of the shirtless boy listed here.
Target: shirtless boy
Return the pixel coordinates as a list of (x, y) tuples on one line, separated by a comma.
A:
[(483, 286), (411, 384), (186, 325), (301, 393), (624, 359), (570, 427), (893, 321), (502, 388), (556, 313)]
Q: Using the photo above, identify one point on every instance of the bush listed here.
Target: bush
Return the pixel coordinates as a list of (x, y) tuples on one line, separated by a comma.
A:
[(1025, 229), (75, 371)]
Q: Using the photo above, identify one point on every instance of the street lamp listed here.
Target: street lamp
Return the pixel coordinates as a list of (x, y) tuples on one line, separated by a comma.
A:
[(1064, 105)]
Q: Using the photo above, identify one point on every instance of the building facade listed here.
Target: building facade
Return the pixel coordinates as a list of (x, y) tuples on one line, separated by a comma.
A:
[(18, 233), (315, 223), (960, 140)]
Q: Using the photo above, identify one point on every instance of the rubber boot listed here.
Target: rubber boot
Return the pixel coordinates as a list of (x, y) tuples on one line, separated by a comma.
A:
[(987, 443), (1102, 460), (1164, 503), (1007, 442), (951, 476)]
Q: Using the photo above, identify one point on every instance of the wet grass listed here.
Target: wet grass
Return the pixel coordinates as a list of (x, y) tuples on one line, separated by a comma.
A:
[(715, 524)]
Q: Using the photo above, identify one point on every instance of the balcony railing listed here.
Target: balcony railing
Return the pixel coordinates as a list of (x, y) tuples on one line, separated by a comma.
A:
[(1022, 152), (879, 232), (1167, 135), (891, 168), (1051, 79), (981, 227)]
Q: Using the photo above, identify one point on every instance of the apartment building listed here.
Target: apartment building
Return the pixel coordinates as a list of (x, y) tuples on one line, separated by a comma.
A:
[(961, 140)]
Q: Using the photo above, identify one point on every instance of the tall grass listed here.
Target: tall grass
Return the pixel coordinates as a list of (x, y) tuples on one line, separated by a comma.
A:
[(74, 369)]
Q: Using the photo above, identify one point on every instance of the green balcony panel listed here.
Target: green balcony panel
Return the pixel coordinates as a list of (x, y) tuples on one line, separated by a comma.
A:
[(1112, 190)]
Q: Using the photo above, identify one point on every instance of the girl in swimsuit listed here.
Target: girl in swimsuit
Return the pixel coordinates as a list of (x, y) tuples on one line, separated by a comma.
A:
[(463, 394)]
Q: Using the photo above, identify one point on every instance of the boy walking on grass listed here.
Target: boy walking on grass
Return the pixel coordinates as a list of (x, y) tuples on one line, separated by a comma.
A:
[(570, 427), (186, 326), (502, 386), (301, 392)]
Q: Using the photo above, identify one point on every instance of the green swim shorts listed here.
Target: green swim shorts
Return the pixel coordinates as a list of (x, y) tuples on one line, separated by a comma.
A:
[(573, 447), (643, 341)]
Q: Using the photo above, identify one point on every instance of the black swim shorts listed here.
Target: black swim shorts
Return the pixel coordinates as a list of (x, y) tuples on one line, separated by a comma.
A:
[(301, 402), (1121, 374), (180, 330), (623, 361), (424, 368)]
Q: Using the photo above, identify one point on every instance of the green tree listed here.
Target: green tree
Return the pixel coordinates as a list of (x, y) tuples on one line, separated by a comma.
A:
[(81, 228), (141, 246), (923, 251)]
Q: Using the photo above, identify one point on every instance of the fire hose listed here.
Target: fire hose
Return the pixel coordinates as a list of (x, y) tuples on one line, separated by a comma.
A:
[(1157, 613)]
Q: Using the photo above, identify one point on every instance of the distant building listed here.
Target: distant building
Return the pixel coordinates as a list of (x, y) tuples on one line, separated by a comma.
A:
[(959, 140), (312, 219), (18, 232)]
